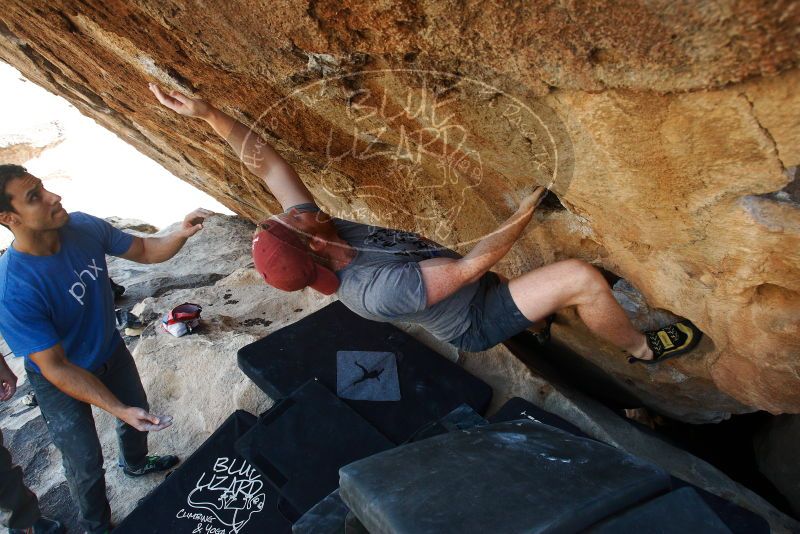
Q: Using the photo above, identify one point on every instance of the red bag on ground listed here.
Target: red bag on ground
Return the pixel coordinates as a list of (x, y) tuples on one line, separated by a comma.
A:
[(183, 319)]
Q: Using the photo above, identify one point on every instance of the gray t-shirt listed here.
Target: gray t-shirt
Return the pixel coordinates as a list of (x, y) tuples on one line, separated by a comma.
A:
[(383, 282)]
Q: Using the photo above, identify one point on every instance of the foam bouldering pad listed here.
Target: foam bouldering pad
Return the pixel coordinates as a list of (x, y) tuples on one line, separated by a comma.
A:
[(677, 512), (430, 385), (518, 476), (300, 444), (519, 408), (461, 418), (328, 516), (215, 490), (739, 520)]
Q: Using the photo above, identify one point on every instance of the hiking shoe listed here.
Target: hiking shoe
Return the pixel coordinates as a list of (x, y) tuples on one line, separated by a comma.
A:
[(117, 289), (128, 322), (671, 341), (134, 330), (152, 465), (43, 526)]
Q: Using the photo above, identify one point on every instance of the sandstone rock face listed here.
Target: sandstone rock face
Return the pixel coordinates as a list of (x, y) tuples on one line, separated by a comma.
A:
[(665, 129), (132, 225)]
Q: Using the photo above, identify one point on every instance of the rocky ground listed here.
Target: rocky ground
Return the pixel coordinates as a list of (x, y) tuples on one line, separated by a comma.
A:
[(195, 378)]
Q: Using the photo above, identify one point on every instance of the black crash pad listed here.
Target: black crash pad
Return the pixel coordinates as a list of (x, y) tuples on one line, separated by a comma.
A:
[(739, 520), (519, 408), (462, 418), (328, 516), (430, 384), (214, 490), (678, 512), (300, 444), (518, 476)]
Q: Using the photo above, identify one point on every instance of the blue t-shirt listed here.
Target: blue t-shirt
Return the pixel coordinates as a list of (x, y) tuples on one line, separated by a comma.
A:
[(64, 298)]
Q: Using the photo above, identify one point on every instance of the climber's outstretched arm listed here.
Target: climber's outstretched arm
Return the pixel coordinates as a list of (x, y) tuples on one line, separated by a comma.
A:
[(442, 277), (259, 157)]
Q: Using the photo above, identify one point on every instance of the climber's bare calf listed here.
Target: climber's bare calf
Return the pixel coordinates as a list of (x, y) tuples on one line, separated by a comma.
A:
[(543, 291), (559, 285)]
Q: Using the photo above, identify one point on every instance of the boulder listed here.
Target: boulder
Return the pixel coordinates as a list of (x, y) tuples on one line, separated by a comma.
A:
[(642, 316), (134, 226), (220, 248)]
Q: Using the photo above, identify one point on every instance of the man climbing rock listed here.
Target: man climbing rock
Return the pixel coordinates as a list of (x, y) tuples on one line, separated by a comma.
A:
[(57, 311), (392, 275)]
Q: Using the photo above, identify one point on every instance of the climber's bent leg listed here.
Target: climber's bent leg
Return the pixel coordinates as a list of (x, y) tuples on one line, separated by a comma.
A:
[(543, 291)]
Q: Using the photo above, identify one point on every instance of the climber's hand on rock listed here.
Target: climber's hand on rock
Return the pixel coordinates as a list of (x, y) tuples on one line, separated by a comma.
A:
[(144, 421), (180, 103), (530, 202), (193, 222)]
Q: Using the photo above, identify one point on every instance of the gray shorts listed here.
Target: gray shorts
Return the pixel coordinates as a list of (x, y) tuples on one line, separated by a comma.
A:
[(494, 317)]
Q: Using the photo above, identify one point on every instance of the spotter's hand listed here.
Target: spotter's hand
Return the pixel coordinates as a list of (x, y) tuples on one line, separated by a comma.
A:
[(144, 421), (8, 382), (193, 222)]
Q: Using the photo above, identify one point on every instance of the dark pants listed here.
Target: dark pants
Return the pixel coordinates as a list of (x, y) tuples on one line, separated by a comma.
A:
[(15, 498), (71, 426)]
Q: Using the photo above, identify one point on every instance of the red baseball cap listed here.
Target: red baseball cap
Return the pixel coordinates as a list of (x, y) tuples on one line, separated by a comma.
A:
[(284, 262)]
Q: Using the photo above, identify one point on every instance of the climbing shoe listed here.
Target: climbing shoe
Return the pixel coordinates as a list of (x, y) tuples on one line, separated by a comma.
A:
[(671, 341), (152, 465), (42, 526), (542, 336)]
